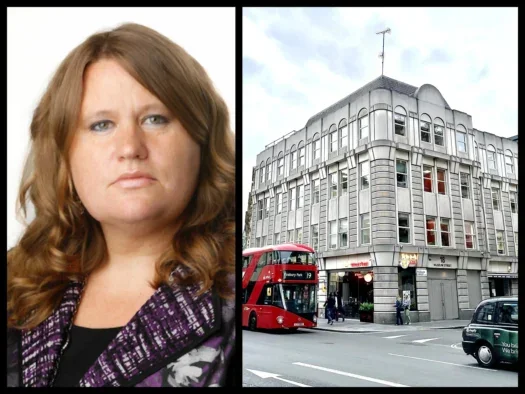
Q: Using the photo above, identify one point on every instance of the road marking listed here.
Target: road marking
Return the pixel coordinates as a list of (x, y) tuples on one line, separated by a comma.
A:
[(265, 375), (442, 362), (395, 336), (424, 340), (458, 346), (385, 382)]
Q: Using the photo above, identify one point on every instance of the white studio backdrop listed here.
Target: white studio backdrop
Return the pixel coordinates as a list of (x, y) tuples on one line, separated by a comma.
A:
[(38, 39)]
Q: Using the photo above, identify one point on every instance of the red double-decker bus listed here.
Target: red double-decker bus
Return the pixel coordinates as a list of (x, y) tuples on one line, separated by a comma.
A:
[(279, 287)]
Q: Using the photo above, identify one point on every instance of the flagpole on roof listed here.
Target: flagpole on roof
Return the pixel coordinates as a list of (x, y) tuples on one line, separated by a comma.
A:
[(382, 54)]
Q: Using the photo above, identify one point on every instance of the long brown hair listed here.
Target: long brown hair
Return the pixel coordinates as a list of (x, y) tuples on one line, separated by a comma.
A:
[(61, 244)]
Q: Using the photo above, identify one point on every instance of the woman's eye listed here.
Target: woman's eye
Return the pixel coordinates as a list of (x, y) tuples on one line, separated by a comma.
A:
[(155, 120), (100, 126)]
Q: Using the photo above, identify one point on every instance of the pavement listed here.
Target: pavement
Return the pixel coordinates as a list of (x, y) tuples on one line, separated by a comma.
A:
[(355, 326)]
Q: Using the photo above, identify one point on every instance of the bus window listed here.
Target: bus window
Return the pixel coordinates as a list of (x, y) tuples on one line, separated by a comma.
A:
[(248, 291), (262, 261), (304, 258), (246, 261), (266, 296)]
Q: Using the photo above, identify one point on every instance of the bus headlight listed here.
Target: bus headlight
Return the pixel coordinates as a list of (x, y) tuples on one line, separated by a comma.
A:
[(315, 319), (280, 319)]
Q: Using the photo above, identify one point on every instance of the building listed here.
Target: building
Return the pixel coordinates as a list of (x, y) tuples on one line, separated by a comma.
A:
[(399, 195)]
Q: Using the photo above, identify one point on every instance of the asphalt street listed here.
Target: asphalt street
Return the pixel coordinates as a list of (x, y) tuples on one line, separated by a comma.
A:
[(424, 358)]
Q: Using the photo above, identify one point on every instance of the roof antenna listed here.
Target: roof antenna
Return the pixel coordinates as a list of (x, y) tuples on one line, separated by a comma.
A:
[(382, 54)]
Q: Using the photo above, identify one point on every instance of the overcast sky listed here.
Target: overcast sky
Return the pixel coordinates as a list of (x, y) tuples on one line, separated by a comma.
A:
[(298, 61)]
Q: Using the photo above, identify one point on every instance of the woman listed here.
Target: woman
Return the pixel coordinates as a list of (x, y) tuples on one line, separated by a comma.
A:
[(125, 276), (399, 308)]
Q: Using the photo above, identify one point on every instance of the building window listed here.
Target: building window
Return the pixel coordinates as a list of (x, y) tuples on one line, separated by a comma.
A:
[(294, 157), (317, 148), (364, 169), (365, 228), (516, 243), (280, 164), (363, 124), (301, 154), (465, 184), (333, 234), (431, 230), (470, 235), (263, 240), (299, 235), (439, 129), (428, 178), (425, 128), (316, 191), (403, 223), (491, 157), (293, 200), (315, 237), (266, 206), (445, 232), (500, 241), (333, 185), (343, 181), (495, 198), (513, 205), (509, 162), (461, 139), (343, 131), (279, 202), (400, 121), (333, 138), (290, 235), (261, 173), (268, 170), (476, 154), (401, 173), (343, 233), (277, 238), (442, 181), (260, 209), (300, 196)]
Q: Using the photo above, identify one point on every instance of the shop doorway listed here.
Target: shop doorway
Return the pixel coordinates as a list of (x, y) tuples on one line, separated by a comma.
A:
[(353, 288), (442, 294)]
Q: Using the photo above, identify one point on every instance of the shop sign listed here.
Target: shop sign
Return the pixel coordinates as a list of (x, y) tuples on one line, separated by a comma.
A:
[(361, 264), (421, 272), (442, 263), (408, 260)]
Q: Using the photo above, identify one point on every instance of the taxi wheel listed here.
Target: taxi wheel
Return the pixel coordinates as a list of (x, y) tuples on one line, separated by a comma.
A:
[(485, 355), (253, 321)]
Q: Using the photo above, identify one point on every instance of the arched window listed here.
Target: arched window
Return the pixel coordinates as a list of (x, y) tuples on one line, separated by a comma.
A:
[(343, 132), (301, 154), (333, 138), (400, 116), (317, 146), (425, 128), (363, 123), (268, 170), (439, 131), (280, 164), (509, 162), (293, 152), (261, 173), (491, 157), (461, 138)]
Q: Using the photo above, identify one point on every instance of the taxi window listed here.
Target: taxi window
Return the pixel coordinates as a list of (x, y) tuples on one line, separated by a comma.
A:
[(486, 313), (508, 312)]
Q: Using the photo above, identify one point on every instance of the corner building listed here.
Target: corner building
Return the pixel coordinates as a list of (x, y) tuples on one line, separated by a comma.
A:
[(399, 195)]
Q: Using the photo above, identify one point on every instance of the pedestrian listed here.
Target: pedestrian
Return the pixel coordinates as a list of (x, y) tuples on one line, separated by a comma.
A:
[(339, 307), (399, 308), (406, 306), (330, 304)]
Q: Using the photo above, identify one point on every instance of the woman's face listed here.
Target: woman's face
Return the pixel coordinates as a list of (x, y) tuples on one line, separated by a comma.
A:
[(124, 130)]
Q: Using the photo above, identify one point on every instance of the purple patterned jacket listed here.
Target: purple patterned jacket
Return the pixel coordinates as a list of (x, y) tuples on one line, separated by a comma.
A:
[(176, 339)]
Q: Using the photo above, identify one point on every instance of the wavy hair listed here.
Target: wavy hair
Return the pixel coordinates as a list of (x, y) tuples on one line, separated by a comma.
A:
[(61, 244)]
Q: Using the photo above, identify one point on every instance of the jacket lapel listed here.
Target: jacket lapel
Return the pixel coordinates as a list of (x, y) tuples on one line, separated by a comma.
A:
[(42, 345), (172, 322)]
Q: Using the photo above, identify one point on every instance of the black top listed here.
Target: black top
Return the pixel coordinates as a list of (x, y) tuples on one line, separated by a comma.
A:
[(85, 345)]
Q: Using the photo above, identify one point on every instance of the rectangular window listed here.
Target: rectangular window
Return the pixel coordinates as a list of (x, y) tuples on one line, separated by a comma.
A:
[(438, 135), (365, 228), (509, 165), (500, 241), (491, 160), (403, 223), (280, 166), (268, 172), (401, 173), (461, 139), (279, 202), (445, 232), (344, 136), (300, 196), (495, 198), (290, 235), (294, 159), (470, 235), (333, 234), (299, 235), (317, 149), (333, 141), (513, 205), (333, 185), (425, 131), (263, 240), (343, 181), (428, 178), (266, 207), (301, 156), (399, 124), (315, 237), (277, 238), (343, 233), (363, 127), (316, 191), (442, 181), (516, 243), (261, 175), (293, 200), (431, 230), (260, 204), (465, 184), (364, 169)]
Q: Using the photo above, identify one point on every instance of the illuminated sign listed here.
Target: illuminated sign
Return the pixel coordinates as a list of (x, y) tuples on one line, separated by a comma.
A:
[(361, 264), (298, 275), (408, 260)]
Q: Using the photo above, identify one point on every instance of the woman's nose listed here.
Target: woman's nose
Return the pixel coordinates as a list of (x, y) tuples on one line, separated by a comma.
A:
[(131, 143)]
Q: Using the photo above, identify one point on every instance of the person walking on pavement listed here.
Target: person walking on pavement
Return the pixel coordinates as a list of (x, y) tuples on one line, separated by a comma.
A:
[(339, 307), (330, 304), (406, 306), (399, 308)]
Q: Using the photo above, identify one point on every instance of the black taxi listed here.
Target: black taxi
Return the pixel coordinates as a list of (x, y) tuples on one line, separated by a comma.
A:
[(492, 334)]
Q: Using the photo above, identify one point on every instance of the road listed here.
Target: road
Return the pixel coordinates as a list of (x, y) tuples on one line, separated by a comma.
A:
[(422, 358)]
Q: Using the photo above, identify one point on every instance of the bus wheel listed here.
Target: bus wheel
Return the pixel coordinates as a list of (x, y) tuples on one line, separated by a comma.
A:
[(253, 322)]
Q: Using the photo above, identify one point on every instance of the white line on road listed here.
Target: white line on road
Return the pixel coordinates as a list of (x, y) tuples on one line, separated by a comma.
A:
[(385, 382), (424, 340), (395, 336), (265, 375), (442, 362)]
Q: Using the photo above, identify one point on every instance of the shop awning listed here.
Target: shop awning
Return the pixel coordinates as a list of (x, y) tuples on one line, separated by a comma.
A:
[(496, 275)]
